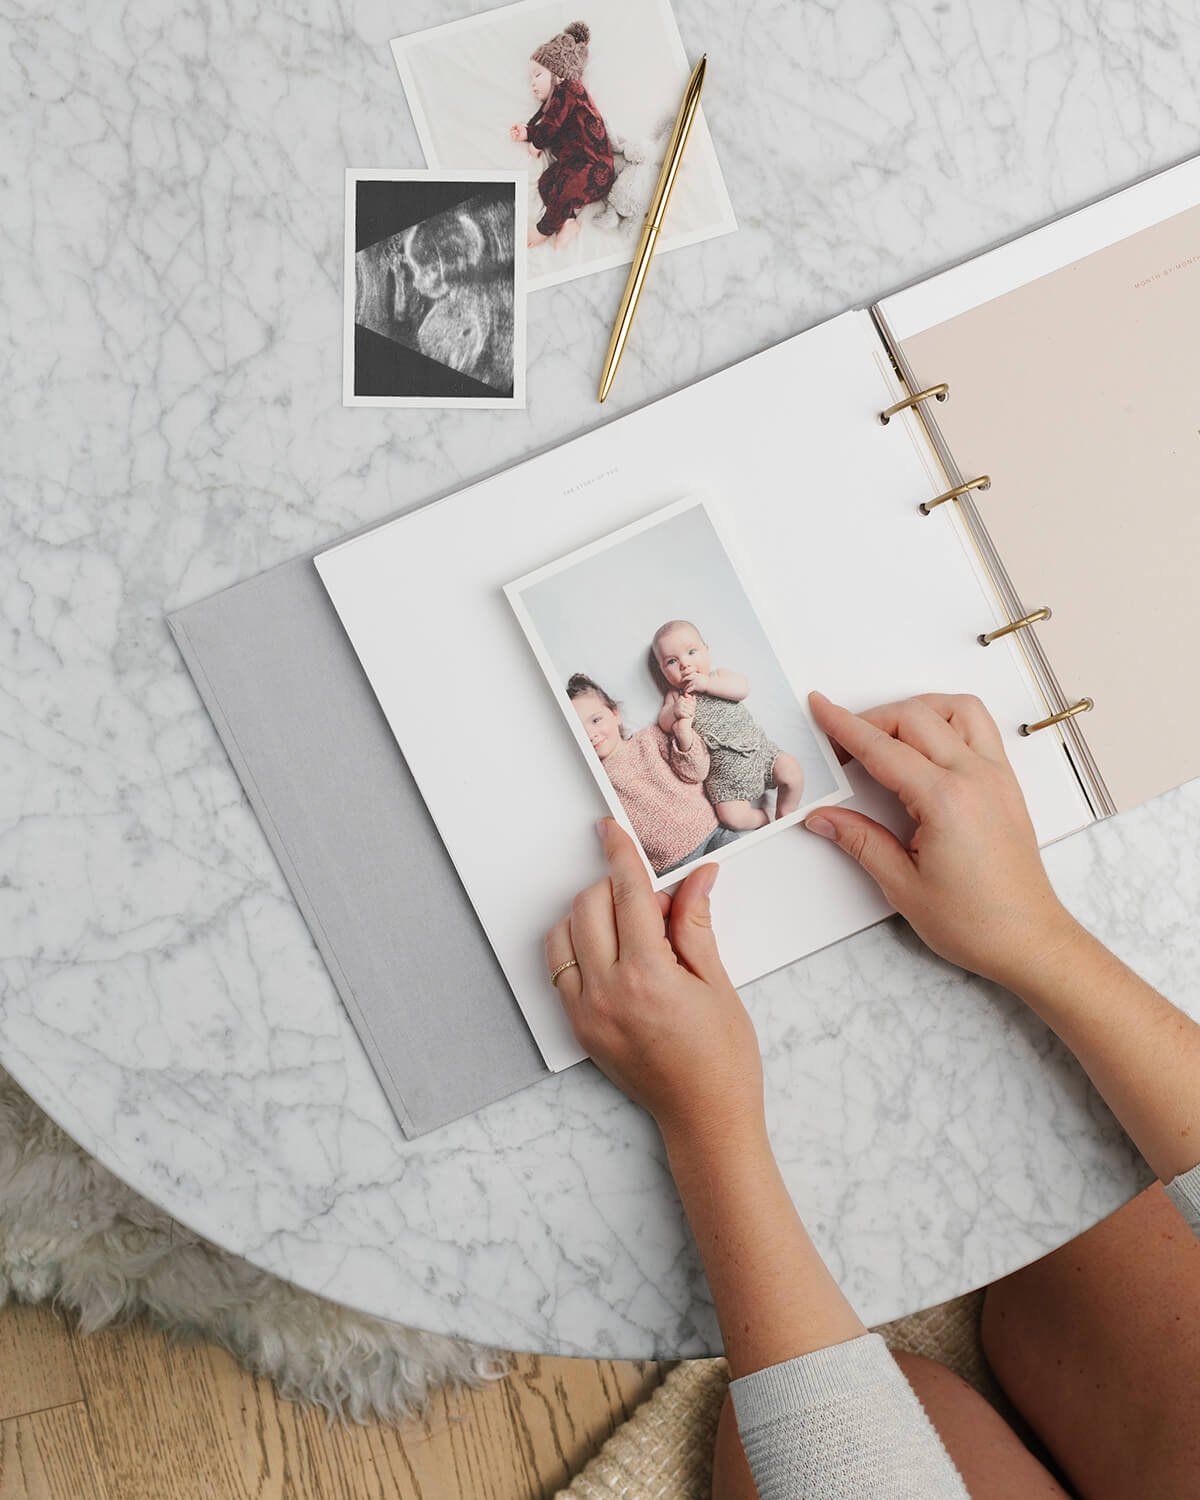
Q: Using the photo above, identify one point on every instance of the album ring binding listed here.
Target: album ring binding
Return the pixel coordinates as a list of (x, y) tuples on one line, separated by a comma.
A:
[(940, 392), (980, 482), (1030, 619), (936, 392)]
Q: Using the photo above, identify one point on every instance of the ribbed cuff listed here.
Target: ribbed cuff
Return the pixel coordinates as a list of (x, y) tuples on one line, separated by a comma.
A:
[(1184, 1193), (809, 1379)]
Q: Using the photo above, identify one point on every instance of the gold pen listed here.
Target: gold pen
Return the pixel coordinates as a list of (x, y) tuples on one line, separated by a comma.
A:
[(650, 231)]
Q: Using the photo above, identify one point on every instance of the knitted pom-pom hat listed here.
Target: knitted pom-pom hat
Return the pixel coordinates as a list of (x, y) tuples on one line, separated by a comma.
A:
[(566, 54)]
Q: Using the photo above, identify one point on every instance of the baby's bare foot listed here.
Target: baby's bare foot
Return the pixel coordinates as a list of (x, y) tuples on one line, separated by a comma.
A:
[(789, 778), (566, 234)]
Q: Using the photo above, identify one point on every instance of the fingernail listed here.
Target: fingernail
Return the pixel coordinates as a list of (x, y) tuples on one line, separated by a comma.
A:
[(820, 697), (822, 827), (708, 878), (602, 827)]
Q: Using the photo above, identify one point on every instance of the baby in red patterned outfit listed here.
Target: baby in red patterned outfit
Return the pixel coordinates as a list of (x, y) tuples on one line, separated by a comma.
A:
[(571, 129)]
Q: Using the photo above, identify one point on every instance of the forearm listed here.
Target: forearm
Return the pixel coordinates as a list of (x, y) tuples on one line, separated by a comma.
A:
[(691, 762), (1141, 1052), (774, 1295), (685, 735), (726, 684)]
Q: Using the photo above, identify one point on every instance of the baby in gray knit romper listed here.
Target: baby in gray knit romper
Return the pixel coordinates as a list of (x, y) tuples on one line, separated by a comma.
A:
[(744, 761)]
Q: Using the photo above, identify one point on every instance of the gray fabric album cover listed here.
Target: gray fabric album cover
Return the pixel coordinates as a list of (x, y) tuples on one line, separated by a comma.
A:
[(357, 846)]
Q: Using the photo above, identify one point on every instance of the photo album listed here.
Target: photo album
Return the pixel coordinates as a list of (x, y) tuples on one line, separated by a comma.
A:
[(770, 523), (946, 492)]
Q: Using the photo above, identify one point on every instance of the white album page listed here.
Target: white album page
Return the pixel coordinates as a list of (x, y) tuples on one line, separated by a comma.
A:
[(868, 600)]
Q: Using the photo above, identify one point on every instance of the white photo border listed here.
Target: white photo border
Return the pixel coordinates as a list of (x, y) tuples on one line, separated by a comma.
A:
[(725, 224), (514, 591), (520, 186)]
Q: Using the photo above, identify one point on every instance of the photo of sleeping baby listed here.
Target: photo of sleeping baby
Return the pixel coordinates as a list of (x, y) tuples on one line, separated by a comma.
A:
[(583, 97), (570, 130), (695, 734)]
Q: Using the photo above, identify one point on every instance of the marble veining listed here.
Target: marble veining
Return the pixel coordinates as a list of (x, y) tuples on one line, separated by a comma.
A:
[(171, 207)]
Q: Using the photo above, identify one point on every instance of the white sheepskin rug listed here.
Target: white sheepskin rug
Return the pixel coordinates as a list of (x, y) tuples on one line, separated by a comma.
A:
[(71, 1231)]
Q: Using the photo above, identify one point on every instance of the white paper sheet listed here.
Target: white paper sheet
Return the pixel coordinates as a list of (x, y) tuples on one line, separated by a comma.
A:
[(824, 500)]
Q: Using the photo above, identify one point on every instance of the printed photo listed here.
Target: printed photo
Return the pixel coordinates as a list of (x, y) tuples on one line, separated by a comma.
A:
[(434, 289), (584, 97), (699, 739)]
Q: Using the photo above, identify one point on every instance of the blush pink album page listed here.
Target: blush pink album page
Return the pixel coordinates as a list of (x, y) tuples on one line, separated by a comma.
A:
[(1074, 373)]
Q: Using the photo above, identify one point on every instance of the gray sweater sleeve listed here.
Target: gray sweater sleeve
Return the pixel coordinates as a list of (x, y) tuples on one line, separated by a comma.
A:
[(1184, 1193), (844, 1424), (841, 1424)]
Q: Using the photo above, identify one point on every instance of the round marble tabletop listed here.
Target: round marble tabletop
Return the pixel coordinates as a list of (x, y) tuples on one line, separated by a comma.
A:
[(173, 216)]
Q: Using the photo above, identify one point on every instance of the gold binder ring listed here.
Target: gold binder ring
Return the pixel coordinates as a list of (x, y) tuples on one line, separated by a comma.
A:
[(984, 482), (938, 392), (1068, 713), (1032, 619)]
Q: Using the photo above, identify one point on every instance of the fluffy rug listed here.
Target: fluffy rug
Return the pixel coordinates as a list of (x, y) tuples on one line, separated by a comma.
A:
[(72, 1232)]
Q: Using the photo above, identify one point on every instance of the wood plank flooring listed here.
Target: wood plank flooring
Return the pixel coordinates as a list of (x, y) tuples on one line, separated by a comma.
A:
[(125, 1415)]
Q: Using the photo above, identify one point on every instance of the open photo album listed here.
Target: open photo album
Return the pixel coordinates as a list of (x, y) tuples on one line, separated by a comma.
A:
[(863, 597), (631, 623)]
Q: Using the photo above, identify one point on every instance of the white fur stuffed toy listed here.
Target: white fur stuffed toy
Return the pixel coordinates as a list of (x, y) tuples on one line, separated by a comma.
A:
[(629, 197)]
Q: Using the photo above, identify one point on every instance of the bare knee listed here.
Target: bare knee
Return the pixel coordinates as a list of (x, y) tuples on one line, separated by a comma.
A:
[(993, 1461), (786, 771), (741, 816), (920, 1368), (788, 775), (937, 1386), (1098, 1346)]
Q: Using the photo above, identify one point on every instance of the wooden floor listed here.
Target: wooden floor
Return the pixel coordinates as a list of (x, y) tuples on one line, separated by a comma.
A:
[(124, 1415)]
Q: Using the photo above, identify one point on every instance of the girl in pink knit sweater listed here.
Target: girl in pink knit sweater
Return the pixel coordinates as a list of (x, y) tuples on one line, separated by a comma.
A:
[(658, 776)]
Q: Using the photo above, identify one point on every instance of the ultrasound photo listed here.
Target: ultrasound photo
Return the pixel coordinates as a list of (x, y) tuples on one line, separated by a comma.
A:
[(435, 295)]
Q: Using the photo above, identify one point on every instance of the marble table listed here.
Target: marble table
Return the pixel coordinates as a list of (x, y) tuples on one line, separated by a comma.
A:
[(172, 218)]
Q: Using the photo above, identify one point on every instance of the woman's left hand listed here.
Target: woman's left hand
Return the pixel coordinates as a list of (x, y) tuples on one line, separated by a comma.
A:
[(650, 999)]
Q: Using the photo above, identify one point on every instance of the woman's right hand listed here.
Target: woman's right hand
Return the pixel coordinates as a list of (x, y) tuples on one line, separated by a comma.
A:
[(971, 882)]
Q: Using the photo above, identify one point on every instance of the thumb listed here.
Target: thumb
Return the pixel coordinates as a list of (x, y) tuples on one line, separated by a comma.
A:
[(692, 935), (876, 848)]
